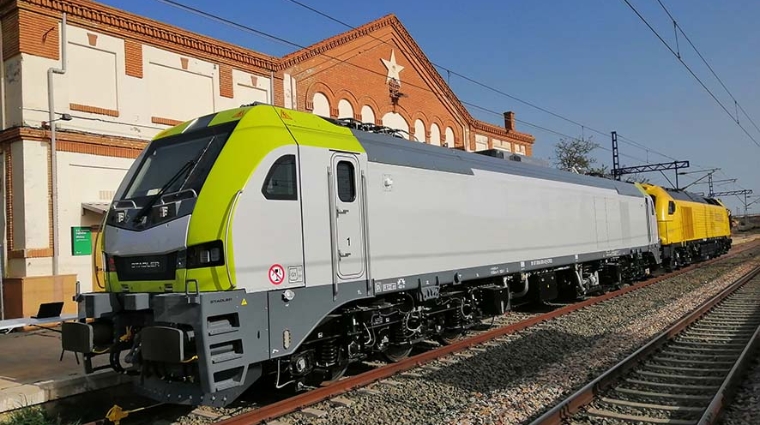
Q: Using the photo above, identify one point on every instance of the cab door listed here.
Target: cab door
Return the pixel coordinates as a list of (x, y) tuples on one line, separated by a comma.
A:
[(98, 272), (347, 218)]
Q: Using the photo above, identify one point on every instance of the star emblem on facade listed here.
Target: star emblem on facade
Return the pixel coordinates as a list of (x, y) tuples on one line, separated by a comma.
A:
[(393, 68)]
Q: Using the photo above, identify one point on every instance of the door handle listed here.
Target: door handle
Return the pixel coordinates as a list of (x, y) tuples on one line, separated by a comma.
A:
[(340, 211), (342, 255)]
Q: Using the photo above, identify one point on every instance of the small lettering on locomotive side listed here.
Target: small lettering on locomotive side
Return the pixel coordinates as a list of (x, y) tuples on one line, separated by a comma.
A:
[(221, 300)]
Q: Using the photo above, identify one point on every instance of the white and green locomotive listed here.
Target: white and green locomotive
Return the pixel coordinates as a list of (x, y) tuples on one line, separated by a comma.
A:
[(265, 242)]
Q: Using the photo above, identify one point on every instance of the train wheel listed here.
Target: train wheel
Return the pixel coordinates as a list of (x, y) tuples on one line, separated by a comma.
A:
[(336, 372), (397, 353), (450, 337)]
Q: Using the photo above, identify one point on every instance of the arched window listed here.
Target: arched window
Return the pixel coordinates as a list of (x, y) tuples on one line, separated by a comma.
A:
[(345, 110), (395, 120), (368, 115), (449, 137), (419, 131), (435, 135), (321, 105)]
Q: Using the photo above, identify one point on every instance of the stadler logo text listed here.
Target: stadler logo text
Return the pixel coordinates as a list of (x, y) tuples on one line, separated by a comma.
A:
[(541, 262)]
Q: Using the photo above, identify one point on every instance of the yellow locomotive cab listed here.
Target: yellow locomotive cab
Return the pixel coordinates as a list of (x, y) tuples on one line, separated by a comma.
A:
[(690, 226)]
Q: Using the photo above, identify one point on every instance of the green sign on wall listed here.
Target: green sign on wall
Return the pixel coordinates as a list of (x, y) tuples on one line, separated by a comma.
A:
[(81, 241)]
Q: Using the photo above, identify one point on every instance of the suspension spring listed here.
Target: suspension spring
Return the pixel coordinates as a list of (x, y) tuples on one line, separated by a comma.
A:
[(328, 352)]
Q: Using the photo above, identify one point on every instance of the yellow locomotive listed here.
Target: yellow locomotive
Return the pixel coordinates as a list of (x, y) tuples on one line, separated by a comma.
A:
[(691, 227)]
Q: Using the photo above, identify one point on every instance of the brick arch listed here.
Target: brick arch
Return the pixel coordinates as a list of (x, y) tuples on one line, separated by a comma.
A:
[(399, 110), (419, 115), (422, 116), (441, 129), (320, 87), (349, 97), (456, 129)]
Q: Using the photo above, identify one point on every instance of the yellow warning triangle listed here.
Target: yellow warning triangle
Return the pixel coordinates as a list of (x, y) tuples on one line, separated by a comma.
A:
[(244, 302)]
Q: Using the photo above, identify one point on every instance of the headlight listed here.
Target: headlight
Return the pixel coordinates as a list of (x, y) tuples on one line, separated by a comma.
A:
[(205, 255)]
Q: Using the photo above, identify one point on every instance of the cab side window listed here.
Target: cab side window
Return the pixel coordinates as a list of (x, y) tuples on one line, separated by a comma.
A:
[(671, 207), (346, 181), (280, 183)]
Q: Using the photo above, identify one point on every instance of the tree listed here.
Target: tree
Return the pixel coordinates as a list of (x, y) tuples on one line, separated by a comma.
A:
[(574, 154), (637, 178)]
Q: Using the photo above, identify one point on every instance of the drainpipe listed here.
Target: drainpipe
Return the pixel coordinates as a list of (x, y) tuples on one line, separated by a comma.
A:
[(54, 158)]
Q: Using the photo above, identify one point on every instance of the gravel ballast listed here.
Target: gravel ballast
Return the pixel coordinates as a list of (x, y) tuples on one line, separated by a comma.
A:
[(527, 372), (745, 406), (517, 377)]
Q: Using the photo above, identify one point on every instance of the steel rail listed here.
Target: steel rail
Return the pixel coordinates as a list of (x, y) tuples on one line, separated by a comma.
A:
[(728, 387), (586, 395), (292, 404)]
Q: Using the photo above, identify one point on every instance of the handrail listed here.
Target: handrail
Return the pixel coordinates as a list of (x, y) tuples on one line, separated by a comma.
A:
[(333, 232), (226, 247), (365, 230)]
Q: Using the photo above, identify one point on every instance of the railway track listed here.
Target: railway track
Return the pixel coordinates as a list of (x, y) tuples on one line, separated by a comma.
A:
[(684, 376), (256, 412)]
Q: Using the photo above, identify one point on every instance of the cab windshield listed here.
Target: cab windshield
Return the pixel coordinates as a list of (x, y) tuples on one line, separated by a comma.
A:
[(166, 157)]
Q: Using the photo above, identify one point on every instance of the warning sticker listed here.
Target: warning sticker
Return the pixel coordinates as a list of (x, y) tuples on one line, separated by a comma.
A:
[(276, 274)]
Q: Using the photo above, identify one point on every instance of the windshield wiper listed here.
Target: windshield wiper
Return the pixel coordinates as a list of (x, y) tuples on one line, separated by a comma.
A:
[(163, 189), (174, 178)]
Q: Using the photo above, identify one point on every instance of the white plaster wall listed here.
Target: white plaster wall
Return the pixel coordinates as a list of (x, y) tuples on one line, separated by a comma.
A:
[(176, 93), (96, 69), (17, 182), (13, 90), (35, 188), (96, 76), (83, 178), (287, 84), (481, 142)]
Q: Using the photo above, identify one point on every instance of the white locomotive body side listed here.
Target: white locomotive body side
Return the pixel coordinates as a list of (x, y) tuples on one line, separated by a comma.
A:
[(476, 214)]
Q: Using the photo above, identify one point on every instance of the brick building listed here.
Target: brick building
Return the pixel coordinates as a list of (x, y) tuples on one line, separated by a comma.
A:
[(127, 77)]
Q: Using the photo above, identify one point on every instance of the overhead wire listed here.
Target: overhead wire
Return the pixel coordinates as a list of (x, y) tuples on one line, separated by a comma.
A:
[(341, 60), (345, 61), (558, 133), (626, 140), (680, 59), (680, 28)]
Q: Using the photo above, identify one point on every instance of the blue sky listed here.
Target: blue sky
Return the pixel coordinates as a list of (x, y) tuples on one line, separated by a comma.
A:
[(592, 61)]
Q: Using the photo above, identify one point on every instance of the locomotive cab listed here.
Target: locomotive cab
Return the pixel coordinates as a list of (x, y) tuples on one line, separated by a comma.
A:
[(145, 240), (170, 312)]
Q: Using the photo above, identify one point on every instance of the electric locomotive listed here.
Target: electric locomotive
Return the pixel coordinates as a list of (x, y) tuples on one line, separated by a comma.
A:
[(262, 244)]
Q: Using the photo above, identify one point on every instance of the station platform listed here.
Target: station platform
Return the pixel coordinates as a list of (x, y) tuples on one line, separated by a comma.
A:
[(32, 370)]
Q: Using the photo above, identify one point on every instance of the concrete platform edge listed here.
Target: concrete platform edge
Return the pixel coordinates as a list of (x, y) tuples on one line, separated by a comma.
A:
[(44, 391)]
